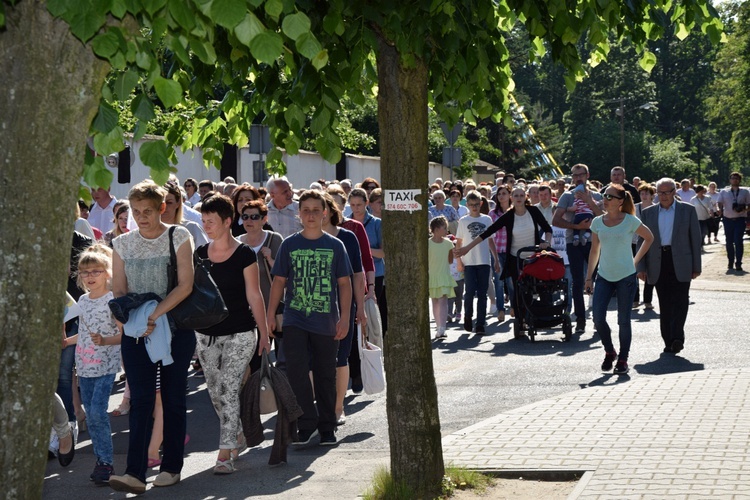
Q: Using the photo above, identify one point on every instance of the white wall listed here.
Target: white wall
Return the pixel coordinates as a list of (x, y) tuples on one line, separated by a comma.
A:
[(302, 169)]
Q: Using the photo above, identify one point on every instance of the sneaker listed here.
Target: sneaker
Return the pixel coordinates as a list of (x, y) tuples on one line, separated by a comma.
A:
[(636, 304), (128, 484), (580, 326), (304, 436), (102, 473), (480, 329), (327, 438), (648, 305), (738, 267), (609, 359), (493, 310), (576, 240), (468, 323), (621, 367)]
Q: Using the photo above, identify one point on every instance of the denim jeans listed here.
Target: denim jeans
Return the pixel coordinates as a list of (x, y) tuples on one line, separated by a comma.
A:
[(476, 281), (578, 257), (141, 373), (65, 373), (500, 284), (734, 231), (603, 292), (95, 393)]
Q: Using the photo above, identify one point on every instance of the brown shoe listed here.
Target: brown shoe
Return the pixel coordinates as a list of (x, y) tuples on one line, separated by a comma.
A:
[(127, 483)]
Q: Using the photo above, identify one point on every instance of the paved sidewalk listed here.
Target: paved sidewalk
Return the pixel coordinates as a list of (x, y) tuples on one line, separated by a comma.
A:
[(683, 435)]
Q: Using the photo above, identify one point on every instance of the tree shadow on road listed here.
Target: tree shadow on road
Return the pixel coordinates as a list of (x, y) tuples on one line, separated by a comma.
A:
[(548, 342)]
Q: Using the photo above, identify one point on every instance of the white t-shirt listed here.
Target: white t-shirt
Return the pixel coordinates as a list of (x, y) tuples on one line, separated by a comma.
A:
[(470, 228), (523, 232)]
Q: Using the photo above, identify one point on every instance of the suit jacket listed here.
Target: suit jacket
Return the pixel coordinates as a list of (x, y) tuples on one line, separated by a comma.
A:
[(686, 243)]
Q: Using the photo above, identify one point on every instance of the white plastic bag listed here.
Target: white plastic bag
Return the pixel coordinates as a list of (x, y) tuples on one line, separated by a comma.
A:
[(371, 357), (374, 323)]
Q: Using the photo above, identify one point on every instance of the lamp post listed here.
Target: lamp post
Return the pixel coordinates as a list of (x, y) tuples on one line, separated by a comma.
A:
[(621, 113)]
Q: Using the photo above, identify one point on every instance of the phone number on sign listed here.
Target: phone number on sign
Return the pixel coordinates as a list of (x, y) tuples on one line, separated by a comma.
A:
[(402, 206)]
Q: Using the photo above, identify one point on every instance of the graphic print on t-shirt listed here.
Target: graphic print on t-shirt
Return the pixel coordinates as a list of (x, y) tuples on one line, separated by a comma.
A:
[(476, 228), (312, 281)]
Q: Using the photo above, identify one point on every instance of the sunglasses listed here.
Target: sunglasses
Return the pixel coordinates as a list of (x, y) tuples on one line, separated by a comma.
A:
[(610, 197), (251, 217), (93, 274), (371, 186)]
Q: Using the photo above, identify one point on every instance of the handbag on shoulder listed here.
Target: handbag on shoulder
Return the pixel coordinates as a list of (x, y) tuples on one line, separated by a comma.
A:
[(204, 307)]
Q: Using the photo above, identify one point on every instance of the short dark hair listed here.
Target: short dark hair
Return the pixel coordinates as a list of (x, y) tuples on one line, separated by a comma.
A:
[(358, 192), (218, 204), (207, 183)]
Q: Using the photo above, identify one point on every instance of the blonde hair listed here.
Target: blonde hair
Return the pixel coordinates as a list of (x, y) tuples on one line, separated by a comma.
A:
[(97, 255), (148, 190)]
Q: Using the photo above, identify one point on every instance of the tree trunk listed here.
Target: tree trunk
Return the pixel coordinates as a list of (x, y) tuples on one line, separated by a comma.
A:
[(412, 406), (49, 94)]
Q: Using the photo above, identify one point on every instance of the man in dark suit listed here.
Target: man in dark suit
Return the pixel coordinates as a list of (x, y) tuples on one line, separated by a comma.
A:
[(673, 260)]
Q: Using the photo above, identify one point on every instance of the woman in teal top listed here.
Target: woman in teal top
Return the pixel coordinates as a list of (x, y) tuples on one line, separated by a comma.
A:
[(611, 249)]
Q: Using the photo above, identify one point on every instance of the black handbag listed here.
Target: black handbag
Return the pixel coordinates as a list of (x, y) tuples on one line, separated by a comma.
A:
[(204, 307)]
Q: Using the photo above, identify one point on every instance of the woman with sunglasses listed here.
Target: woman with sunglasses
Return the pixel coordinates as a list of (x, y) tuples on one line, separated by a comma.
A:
[(612, 234), (240, 196), (191, 188), (265, 243)]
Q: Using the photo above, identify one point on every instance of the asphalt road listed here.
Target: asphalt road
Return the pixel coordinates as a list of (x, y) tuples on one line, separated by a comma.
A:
[(477, 377)]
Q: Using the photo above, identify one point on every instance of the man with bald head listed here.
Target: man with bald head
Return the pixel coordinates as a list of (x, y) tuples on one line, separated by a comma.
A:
[(283, 211)]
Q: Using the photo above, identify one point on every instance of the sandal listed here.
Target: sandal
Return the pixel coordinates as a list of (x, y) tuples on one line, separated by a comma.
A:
[(224, 466), (241, 446), (121, 410)]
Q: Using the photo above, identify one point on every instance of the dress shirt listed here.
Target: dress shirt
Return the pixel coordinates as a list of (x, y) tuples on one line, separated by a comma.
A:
[(285, 221), (666, 224)]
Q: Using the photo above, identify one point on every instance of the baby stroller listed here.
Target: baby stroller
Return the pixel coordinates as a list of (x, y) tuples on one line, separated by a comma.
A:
[(541, 293)]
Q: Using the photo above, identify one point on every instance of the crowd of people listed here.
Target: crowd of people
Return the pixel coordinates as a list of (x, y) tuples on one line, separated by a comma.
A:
[(295, 268)]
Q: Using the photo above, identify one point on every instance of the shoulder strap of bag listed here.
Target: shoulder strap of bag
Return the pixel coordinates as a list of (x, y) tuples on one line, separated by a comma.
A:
[(267, 243), (368, 220)]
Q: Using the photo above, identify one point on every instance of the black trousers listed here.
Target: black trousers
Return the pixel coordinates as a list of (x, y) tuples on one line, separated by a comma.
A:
[(674, 298), (300, 348)]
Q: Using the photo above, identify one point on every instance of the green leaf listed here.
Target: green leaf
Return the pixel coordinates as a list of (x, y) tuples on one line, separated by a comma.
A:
[(308, 45), (228, 13), (274, 8), (96, 174), (295, 25), (154, 155), (169, 91), (142, 108), (152, 6), (204, 50), (139, 130), (320, 121), (249, 28), (125, 83), (647, 61), (110, 142), (320, 60), (105, 44), (86, 23), (267, 47), (181, 13), (119, 9), (106, 119)]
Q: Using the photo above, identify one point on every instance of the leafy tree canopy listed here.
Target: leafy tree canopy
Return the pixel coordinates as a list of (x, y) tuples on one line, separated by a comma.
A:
[(281, 61)]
